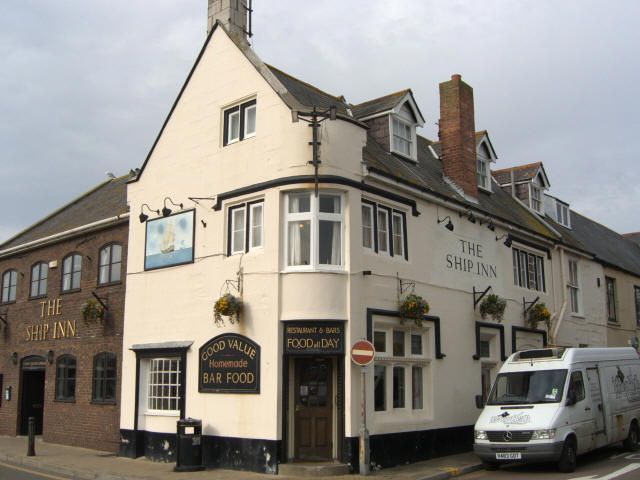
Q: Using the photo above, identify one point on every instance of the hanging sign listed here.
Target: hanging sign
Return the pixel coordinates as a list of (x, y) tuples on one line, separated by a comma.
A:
[(313, 338), (229, 363)]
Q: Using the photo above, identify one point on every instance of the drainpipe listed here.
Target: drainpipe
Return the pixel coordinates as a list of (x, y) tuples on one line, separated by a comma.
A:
[(560, 316)]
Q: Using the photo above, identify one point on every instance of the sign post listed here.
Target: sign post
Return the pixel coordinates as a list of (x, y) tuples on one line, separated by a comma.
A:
[(362, 354)]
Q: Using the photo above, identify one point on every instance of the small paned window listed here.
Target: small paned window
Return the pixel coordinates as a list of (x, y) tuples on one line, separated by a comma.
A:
[(39, 274), (485, 348), (110, 264), (71, 271), (66, 378), (482, 173), (380, 341), (636, 291), (398, 343), (416, 388), (573, 287), (398, 386), (239, 122), (380, 388), (164, 385), (245, 230), (104, 377), (611, 299), (416, 344), (536, 202), (9, 286), (402, 137), (384, 230), (562, 214), (528, 270)]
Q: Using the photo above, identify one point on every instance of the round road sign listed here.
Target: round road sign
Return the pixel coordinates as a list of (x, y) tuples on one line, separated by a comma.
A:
[(362, 353)]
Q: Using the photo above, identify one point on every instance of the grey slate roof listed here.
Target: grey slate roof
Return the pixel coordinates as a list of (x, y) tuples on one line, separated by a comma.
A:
[(378, 105), (607, 245), (634, 237), (107, 200)]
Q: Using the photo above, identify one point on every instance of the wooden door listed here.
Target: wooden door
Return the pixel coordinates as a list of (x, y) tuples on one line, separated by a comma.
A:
[(313, 409), (32, 400)]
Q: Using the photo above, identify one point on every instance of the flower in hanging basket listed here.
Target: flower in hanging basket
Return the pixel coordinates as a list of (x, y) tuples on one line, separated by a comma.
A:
[(92, 311), (493, 306), (413, 307), (539, 313), (228, 306)]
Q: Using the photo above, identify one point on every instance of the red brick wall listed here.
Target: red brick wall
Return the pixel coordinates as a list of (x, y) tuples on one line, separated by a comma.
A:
[(457, 134), (82, 422)]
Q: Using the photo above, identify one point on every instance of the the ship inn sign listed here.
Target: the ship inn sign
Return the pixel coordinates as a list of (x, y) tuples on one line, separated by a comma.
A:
[(313, 338), (229, 363)]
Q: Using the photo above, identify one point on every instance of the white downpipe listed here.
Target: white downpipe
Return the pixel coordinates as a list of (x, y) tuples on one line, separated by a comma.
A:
[(556, 327), (57, 236)]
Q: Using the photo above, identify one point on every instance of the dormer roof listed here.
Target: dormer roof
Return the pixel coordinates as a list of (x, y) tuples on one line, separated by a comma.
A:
[(387, 105), (483, 137), (522, 174)]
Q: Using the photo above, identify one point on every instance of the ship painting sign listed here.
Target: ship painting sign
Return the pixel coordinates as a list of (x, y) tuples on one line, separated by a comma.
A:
[(169, 240)]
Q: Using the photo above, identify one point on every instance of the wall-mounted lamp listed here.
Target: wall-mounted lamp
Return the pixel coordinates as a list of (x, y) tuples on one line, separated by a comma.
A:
[(143, 217), (507, 242), (491, 226), (7, 393), (167, 211), (470, 216), (204, 224), (449, 225), (50, 356), (14, 358)]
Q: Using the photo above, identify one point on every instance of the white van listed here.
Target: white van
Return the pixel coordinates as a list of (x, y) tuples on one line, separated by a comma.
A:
[(556, 403)]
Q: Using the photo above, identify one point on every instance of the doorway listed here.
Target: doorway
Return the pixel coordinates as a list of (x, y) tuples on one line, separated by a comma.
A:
[(313, 409), (32, 404)]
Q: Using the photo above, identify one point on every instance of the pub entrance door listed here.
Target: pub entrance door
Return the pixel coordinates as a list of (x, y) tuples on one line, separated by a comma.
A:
[(313, 408), (32, 385)]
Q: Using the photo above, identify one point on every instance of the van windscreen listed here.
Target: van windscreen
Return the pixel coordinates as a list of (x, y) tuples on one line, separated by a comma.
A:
[(521, 388)]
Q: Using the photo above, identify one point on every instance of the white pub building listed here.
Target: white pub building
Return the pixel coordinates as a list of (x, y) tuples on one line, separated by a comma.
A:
[(320, 217)]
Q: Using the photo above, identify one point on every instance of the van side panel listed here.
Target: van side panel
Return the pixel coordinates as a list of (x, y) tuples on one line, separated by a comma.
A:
[(622, 386)]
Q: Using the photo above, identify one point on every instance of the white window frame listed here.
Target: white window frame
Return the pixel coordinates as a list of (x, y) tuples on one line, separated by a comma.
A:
[(410, 140), (314, 216), (177, 386), (252, 209), (573, 285), (387, 228), (481, 171), (562, 214), (383, 249), (239, 111), (368, 206), (235, 228), (395, 235), (247, 133), (248, 209), (521, 272), (535, 189)]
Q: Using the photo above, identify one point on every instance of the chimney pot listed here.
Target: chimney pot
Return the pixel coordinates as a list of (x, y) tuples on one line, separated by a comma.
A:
[(456, 76)]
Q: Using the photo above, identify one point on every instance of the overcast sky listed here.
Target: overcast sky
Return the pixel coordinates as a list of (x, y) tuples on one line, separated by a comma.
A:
[(86, 85)]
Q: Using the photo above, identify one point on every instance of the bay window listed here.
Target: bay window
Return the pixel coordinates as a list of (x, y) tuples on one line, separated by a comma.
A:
[(314, 231)]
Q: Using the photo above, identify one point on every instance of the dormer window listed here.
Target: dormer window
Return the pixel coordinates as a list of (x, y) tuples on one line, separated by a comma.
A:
[(562, 213), (402, 137), (402, 126), (536, 198)]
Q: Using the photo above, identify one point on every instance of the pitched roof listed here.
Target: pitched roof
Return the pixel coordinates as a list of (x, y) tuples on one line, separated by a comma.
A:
[(607, 245), (426, 175), (109, 199), (634, 237), (378, 105), (520, 173)]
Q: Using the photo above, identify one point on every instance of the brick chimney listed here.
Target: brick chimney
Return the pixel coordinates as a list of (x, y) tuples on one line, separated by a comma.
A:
[(233, 14), (457, 134)]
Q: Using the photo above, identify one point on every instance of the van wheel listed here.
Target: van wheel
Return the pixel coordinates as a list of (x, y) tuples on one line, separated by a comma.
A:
[(567, 462), (631, 443), (489, 465)]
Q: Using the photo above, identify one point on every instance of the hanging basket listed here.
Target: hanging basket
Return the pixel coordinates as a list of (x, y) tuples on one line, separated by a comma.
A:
[(227, 306), (92, 311), (539, 313), (413, 307), (493, 306)]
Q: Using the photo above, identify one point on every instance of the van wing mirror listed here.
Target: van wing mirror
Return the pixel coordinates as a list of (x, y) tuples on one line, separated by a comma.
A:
[(479, 401)]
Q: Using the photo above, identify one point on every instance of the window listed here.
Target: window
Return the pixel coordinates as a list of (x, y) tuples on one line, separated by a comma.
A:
[(562, 214), (611, 299), (398, 343), (71, 269), (239, 122), (416, 388), (245, 231), (9, 282), (398, 387), (536, 202), (314, 230), (482, 173), (384, 229), (636, 291), (528, 270), (379, 388), (573, 286), (66, 378), (380, 341), (39, 280), (104, 378), (485, 348), (163, 392), (402, 137), (483, 159), (416, 344), (110, 264), (576, 387)]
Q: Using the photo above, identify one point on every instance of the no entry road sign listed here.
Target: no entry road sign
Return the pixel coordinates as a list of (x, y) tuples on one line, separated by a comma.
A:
[(362, 353)]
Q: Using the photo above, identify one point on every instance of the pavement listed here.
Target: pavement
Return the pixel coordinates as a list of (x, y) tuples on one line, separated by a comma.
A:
[(83, 464)]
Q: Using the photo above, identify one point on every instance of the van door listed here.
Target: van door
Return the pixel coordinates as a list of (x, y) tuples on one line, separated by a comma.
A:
[(595, 392), (581, 414)]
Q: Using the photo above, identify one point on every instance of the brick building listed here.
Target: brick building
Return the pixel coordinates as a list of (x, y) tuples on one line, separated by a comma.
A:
[(56, 365)]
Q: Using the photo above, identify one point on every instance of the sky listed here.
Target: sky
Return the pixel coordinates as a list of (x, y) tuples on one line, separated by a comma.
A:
[(86, 85)]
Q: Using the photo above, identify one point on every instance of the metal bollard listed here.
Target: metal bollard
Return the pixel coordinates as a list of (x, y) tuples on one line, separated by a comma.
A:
[(31, 449)]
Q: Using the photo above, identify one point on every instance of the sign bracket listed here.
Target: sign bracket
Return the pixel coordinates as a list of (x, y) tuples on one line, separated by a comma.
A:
[(528, 305), (476, 300)]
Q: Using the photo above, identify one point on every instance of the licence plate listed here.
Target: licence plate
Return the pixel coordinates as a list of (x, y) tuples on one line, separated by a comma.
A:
[(508, 456)]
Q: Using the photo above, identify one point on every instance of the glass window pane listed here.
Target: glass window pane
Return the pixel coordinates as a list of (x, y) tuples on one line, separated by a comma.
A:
[(238, 225), (329, 243), (380, 341), (383, 231), (116, 253), (256, 226), (416, 388), (367, 226), (299, 203), (115, 272), (104, 274), (398, 343), (75, 283), (379, 388), (104, 256), (234, 127), (398, 387), (416, 344), (398, 239), (43, 287), (329, 204), (77, 263), (299, 243), (250, 120)]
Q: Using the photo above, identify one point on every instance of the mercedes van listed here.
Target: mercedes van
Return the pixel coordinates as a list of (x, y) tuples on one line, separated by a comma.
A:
[(553, 404)]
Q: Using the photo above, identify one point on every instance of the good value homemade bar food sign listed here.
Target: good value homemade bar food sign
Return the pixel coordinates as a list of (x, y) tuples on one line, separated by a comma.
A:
[(229, 363)]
